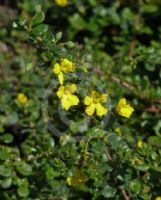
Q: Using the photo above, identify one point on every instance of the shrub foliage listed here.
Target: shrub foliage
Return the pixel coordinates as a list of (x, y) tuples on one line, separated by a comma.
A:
[(80, 100)]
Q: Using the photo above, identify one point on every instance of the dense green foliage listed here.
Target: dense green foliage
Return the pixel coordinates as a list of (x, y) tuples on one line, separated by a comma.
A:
[(49, 153)]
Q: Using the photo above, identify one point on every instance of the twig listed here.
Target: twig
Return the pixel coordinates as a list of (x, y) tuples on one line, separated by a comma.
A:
[(123, 83), (152, 109), (132, 88), (126, 197), (127, 85), (108, 156)]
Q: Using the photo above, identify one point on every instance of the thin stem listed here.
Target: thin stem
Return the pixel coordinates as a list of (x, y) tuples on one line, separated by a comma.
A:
[(126, 197)]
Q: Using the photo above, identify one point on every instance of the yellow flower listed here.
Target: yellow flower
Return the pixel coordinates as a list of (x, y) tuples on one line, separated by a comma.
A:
[(61, 3), (124, 109), (64, 67), (22, 98), (94, 103), (140, 144), (158, 198), (78, 178), (118, 131), (68, 99)]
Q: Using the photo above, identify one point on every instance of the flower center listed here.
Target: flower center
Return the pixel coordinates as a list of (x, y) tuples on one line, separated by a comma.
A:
[(95, 100)]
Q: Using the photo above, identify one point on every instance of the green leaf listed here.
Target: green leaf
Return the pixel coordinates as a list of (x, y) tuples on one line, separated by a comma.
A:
[(143, 167), (150, 67), (39, 30), (4, 154), (58, 36), (38, 18), (109, 121), (114, 140), (1, 129), (150, 8), (7, 138), (23, 191), (108, 191), (70, 44), (6, 183), (12, 118), (157, 169), (95, 132), (24, 168), (5, 171), (135, 186), (77, 21), (155, 140)]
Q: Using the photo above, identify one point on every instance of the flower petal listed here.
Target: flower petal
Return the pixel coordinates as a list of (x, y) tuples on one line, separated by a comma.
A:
[(122, 102), (73, 99), (56, 68), (126, 111), (78, 178), (65, 102), (140, 144), (22, 98), (90, 109), (61, 78), (60, 91), (69, 100), (103, 98), (88, 100), (67, 66), (118, 131), (61, 3), (72, 88), (100, 110)]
